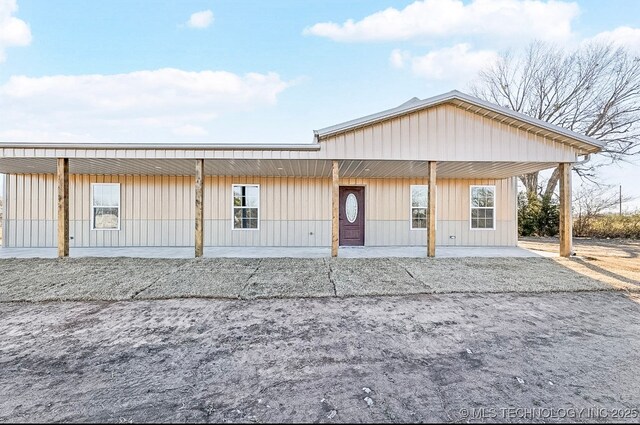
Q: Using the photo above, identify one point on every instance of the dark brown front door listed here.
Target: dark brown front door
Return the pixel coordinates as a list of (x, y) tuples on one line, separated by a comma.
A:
[(351, 215)]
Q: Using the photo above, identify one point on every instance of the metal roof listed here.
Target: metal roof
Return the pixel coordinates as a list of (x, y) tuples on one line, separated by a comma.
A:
[(160, 146), (449, 97)]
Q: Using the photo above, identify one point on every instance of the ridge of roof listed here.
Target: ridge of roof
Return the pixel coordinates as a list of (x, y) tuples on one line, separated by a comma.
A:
[(410, 102), (412, 105)]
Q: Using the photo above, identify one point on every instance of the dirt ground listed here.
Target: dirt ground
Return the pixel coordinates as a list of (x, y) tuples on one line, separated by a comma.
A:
[(415, 358), (615, 262), (314, 340)]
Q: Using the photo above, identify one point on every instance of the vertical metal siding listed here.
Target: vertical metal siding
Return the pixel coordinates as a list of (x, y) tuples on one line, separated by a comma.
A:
[(387, 210), (29, 220), (159, 210), (454, 211), (294, 211), (445, 133), (5, 209), (154, 211)]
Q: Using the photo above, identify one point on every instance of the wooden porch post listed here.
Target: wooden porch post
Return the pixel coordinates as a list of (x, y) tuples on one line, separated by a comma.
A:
[(431, 211), (63, 207), (199, 236), (566, 222), (335, 209)]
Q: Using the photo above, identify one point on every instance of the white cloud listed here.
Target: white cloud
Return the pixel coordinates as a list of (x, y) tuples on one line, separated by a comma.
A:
[(457, 64), (514, 19), (138, 105), (622, 36), (201, 19), (13, 31), (399, 58)]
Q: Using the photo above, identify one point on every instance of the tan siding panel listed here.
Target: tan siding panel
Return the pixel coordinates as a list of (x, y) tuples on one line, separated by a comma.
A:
[(158, 211), (444, 133)]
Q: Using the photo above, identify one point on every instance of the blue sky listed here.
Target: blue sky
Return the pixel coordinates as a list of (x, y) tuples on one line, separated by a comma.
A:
[(256, 71)]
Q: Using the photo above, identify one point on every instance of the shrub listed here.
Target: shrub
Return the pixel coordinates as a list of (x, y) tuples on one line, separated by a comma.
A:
[(537, 216), (608, 226)]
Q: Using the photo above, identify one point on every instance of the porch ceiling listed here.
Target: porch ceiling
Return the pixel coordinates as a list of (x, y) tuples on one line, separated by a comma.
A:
[(272, 167)]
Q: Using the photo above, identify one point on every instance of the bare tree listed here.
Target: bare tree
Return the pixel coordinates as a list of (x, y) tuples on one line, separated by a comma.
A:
[(591, 201), (594, 90)]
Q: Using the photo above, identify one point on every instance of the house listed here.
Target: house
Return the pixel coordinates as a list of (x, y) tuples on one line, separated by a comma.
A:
[(440, 171)]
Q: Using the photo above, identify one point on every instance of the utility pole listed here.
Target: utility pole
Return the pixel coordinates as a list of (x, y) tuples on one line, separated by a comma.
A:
[(620, 199)]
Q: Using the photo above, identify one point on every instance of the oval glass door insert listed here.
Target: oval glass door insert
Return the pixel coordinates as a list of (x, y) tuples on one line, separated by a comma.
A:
[(351, 207)]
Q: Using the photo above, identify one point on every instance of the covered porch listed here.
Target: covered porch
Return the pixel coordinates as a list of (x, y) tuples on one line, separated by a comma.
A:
[(201, 164)]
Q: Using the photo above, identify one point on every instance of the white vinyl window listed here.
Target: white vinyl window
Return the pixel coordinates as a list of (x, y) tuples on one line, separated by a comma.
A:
[(246, 206), (483, 207), (105, 206), (419, 205)]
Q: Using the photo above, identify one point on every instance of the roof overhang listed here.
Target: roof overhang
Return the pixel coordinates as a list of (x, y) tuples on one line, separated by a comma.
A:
[(583, 143), (304, 168)]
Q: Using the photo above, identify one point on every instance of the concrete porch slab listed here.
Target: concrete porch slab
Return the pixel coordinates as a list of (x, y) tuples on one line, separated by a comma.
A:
[(276, 252), (441, 252)]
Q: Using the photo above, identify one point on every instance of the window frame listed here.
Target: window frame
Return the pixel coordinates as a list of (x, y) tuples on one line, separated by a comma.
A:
[(471, 207), (93, 207), (233, 207), (411, 207)]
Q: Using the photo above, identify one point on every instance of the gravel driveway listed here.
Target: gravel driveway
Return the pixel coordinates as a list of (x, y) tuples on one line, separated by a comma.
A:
[(411, 358)]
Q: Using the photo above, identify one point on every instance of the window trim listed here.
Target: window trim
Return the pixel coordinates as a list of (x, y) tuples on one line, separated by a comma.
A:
[(411, 207), (471, 207), (233, 207), (93, 228)]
